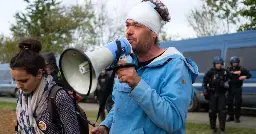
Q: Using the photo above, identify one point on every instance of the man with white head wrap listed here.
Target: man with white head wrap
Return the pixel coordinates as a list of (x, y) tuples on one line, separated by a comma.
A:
[(153, 97)]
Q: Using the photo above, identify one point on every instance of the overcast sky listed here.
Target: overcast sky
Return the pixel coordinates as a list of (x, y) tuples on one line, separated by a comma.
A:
[(177, 8)]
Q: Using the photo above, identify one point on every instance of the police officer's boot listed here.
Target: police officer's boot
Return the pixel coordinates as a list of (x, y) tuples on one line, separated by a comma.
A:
[(237, 113), (214, 131), (230, 118), (222, 120), (213, 116), (237, 120)]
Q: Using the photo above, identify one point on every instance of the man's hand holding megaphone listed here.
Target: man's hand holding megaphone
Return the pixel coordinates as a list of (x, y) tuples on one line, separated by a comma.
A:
[(128, 75)]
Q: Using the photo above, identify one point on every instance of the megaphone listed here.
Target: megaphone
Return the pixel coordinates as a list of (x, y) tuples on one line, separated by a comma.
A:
[(81, 69)]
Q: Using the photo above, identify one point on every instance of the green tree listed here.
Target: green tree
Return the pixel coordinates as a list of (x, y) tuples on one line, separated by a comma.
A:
[(225, 9), (54, 25), (165, 36), (8, 47), (249, 12), (85, 34), (105, 27)]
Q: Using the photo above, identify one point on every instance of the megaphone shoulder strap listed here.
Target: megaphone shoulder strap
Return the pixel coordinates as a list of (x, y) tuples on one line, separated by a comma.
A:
[(90, 86), (110, 82)]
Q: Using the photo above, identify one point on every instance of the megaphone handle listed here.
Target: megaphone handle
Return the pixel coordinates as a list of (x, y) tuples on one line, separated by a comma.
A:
[(120, 66), (125, 65)]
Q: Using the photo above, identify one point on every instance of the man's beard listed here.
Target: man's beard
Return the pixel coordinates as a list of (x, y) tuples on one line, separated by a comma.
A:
[(142, 50)]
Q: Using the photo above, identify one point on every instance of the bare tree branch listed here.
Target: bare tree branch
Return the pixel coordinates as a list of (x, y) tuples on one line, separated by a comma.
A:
[(205, 23)]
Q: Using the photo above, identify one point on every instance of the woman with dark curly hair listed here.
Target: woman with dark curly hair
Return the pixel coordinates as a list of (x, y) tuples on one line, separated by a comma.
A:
[(33, 116)]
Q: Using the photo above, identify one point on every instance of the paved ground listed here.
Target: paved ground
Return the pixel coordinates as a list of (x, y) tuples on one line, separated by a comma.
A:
[(89, 106), (247, 121), (7, 99), (202, 117)]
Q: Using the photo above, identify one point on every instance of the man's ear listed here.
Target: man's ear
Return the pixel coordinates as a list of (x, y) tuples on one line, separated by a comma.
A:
[(40, 74), (154, 35)]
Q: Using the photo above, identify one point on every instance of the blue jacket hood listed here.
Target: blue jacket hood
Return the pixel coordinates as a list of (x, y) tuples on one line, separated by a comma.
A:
[(172, 53)]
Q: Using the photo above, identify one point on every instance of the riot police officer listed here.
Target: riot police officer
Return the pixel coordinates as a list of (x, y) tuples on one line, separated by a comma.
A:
[(215, 85), (238, 74)]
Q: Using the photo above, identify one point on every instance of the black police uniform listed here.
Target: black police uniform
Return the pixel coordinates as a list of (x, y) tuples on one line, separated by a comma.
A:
[(235, 92), (215, 85)]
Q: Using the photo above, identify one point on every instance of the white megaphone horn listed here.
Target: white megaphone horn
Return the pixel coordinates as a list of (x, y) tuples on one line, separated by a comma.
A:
[(81, 69)]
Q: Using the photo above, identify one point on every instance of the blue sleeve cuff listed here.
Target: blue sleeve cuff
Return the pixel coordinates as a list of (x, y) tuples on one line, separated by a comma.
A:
[(109, 119), (139, 91), (106, 123)]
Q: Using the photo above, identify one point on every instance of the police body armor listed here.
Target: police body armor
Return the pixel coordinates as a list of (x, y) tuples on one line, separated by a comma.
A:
[(218, 83)]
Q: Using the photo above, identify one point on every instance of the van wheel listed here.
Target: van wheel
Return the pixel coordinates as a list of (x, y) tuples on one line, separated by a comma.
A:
[(194, 105)]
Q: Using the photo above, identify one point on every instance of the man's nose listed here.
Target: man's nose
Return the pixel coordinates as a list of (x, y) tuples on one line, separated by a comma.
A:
[(129, 30)]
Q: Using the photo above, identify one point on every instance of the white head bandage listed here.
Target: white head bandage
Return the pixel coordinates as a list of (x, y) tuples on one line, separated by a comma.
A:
[(145, 14)]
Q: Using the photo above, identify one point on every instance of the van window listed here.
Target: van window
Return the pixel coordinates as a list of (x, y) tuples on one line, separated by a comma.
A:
[(246, 55), (203, 59), (5, 75)]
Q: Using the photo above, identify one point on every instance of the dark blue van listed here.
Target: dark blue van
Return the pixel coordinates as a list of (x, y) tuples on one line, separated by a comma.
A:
[(203, 50)]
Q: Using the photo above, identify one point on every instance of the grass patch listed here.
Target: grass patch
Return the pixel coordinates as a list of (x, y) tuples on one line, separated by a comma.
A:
[(191, 128), (8, 105), (195, 128), (91, 115)]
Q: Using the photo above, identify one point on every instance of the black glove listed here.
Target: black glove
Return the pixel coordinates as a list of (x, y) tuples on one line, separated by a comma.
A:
[(206, 94)]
